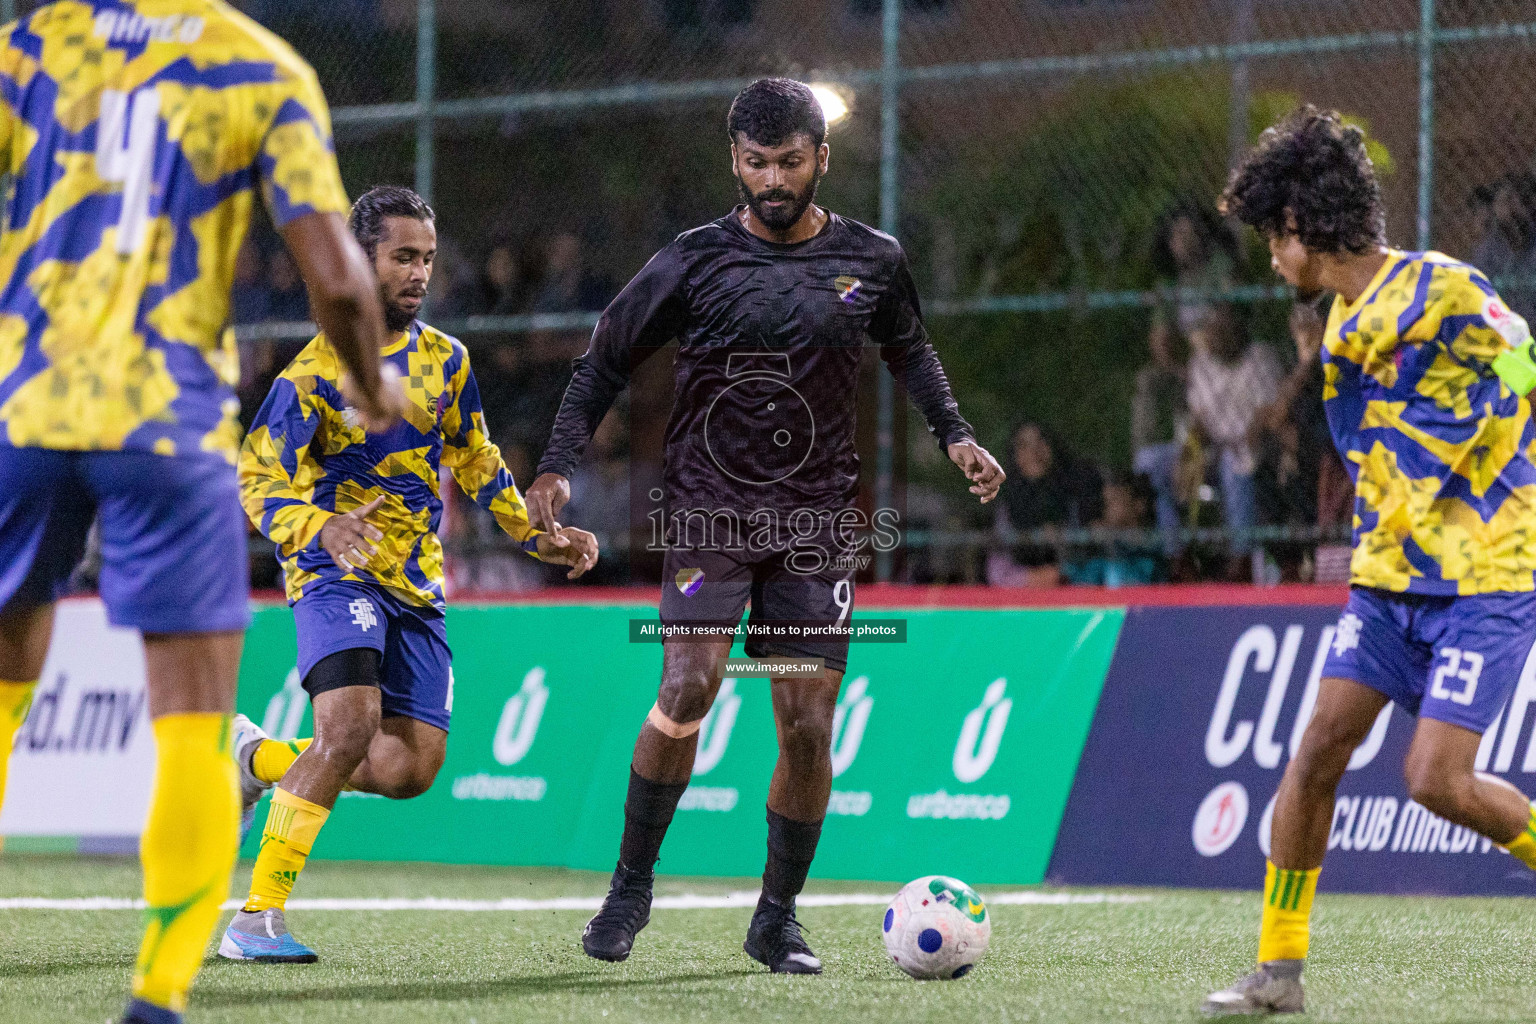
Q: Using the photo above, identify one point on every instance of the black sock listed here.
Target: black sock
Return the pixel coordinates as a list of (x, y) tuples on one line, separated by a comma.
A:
[(648, 811), (791, 848)]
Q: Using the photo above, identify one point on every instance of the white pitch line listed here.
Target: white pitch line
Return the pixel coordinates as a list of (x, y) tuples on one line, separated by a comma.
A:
[(728, 901)]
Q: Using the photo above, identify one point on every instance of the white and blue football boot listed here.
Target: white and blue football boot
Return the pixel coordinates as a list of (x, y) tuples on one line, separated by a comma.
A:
[(263, 936), (247, 734)]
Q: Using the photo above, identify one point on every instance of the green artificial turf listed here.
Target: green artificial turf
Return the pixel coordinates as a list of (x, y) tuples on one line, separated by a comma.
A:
[(1385, 959)]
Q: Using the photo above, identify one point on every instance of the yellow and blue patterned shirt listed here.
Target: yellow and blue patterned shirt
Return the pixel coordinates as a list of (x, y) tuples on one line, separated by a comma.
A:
[(1440, 449), (138, 134), (307, 459)]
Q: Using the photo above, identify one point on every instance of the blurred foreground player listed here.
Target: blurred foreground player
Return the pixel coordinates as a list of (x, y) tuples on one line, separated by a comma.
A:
[(772, 305), (355, 518), (1425, 376), (138, 133)]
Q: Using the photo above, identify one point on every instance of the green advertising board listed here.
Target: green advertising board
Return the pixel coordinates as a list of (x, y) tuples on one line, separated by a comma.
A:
[(952, 752)]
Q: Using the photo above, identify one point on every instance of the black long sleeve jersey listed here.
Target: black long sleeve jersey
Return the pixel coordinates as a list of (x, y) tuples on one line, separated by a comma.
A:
[(770, 339)]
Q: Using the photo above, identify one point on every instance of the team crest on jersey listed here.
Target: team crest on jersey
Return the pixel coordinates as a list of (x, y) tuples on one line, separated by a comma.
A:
[(689, 581), (848, 288)]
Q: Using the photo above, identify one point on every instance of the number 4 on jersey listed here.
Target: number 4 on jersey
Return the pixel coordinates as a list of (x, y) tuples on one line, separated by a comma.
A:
[(125, 155)]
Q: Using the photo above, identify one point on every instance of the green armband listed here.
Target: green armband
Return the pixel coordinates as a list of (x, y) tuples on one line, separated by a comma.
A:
[(1517, 368)]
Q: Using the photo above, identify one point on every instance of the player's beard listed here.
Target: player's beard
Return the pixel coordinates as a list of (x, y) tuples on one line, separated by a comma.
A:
[(398, 319), (795, 204)]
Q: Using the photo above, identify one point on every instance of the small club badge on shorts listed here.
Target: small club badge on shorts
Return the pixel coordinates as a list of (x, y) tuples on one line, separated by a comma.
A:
[(689, 581)]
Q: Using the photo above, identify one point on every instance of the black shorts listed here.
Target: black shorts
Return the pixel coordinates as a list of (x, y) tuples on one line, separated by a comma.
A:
[(713, 587)]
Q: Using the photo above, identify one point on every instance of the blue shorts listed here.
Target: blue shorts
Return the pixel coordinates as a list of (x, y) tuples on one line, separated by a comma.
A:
[(415, 664), (173, 535), (1453, 659)]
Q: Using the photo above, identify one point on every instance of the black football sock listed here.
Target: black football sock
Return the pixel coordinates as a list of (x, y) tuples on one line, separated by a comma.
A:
[(791, 848), (648, 811)]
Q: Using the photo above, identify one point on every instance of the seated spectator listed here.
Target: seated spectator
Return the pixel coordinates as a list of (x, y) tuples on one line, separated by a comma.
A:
[(505, 282), (1230, 380), (600, 500), (1194, 249), (1160, 423), (288, 302), (1048, 490), (1508, 250), (480, 558), (454, 290), (249, 296), (1125, 556)]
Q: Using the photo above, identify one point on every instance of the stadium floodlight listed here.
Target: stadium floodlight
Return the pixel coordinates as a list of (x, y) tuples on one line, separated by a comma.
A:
[(834, 105)]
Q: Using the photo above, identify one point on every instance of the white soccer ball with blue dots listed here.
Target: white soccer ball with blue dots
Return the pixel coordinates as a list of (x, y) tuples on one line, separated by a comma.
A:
[(936, 927)]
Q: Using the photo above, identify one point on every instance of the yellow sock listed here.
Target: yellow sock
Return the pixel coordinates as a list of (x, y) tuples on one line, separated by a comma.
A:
[(272, 758), (15, 702), (292, 826), (1286, 930), (1524, 846), (188, 851)]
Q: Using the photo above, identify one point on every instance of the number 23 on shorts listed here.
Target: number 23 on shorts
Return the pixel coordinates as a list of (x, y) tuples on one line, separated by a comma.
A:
[(1465, 666)]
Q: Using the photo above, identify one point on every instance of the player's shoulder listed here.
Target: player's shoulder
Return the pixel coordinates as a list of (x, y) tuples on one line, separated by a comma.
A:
[(706, 236), (1450, 277), (317, 360), (440, 346), (862, 233), (230, 34)]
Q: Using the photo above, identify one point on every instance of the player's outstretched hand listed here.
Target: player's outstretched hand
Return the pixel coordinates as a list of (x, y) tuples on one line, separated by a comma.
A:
[(545, 499), (566, 545), (348, 538), (979, 467), (378, 408)]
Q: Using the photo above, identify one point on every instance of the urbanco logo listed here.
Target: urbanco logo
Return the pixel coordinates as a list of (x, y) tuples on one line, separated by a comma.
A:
[(715, 733), (982, 733), (520, 717), (848, 723)]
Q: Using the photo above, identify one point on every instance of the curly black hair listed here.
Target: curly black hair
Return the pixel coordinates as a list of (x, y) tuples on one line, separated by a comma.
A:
[(379, 202), (772, 111), (1313, 167)]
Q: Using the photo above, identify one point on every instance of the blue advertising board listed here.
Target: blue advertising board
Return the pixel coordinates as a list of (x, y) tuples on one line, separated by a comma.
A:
[(1201, 711)]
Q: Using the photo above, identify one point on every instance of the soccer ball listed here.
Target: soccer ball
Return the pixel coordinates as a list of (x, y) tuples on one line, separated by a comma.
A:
[(936, 927)]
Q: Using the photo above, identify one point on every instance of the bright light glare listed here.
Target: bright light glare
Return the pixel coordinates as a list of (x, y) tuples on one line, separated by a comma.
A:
[(833, 106)]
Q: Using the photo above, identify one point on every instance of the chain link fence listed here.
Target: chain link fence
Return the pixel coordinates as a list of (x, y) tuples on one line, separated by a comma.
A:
[(1050, 165)]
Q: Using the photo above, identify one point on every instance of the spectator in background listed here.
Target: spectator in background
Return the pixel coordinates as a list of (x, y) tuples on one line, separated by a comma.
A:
[(479, 558), (600, 498), (1193, 249), (454, 290), (249, 297), (1050, 490), (1508, 249), (505, 281), (1295, 436), (567, 284), (287, 300), (1160, 423), (1124, 557), (1231, 380)]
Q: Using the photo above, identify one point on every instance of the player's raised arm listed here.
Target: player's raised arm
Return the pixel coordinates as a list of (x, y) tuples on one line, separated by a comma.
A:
[(302, 187), (646, 315), (898, 330)]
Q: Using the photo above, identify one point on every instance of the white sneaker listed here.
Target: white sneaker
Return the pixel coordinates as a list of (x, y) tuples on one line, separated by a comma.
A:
[(1274, 988), (247, 735)]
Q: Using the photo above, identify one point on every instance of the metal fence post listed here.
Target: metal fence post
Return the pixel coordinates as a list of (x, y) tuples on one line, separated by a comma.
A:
[(890, 161), (426, 94), (1426, 120), (1237, 127), (7, 11)]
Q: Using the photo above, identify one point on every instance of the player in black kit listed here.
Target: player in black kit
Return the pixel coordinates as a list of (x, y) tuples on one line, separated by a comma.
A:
[(772, 305)]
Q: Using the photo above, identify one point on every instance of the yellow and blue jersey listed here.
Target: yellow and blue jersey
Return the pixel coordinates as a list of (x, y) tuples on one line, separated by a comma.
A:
[(138, 134), (307, 459), (1440, 449)]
